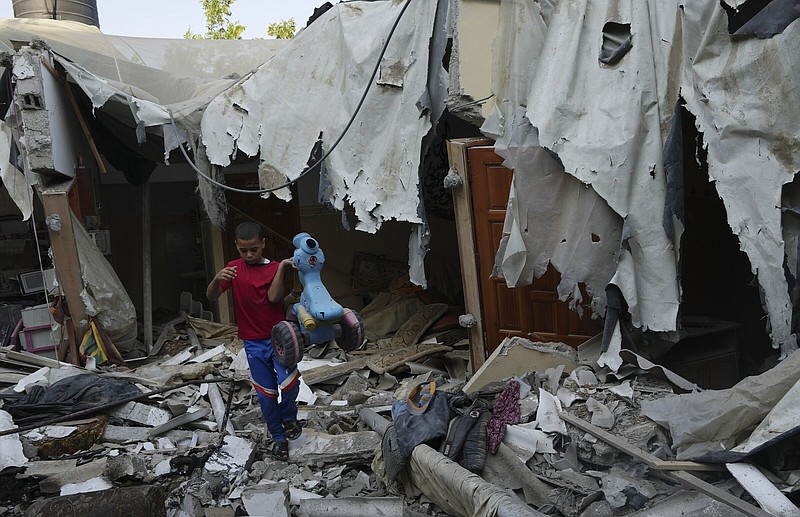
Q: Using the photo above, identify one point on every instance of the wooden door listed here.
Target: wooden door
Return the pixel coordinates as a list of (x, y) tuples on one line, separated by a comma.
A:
[(533, 312)]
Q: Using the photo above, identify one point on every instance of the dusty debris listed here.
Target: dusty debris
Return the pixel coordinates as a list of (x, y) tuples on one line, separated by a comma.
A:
[(570, 438)]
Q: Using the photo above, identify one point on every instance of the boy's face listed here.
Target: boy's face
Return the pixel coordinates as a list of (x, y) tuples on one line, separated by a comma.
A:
[(251, 250)]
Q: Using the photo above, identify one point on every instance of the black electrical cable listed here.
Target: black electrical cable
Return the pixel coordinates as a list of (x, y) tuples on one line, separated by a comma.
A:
[(327, 153)]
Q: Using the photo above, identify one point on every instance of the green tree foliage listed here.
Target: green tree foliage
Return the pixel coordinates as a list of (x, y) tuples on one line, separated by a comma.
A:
[(218, 23), (283, 29)]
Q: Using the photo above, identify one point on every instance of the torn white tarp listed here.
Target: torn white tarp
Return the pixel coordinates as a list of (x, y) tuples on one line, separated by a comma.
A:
[(143, 75), (605, 124), (706, 425), (313, 86), (606, 113), (745, 93), (550, 216)]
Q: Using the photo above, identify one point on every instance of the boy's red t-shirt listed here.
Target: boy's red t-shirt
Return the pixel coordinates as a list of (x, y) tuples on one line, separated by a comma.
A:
[(255, 314)]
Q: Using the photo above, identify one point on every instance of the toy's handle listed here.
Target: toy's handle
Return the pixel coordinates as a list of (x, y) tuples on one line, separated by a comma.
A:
[(305, 318), (297, 288)]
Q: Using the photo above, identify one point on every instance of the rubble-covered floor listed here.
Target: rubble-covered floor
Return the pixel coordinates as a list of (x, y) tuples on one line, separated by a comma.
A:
[(546, 409)]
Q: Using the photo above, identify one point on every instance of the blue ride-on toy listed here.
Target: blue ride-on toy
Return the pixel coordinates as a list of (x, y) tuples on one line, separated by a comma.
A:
[(316, 318)]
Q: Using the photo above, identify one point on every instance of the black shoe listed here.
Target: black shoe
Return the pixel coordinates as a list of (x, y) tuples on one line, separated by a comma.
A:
[(292, 429), (280, 450)]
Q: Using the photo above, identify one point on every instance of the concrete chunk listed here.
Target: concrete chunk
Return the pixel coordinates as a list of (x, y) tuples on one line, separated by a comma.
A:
[(232, 459), (267, 500), (348, 506), (518, 356), (142, 414), (318, 448)]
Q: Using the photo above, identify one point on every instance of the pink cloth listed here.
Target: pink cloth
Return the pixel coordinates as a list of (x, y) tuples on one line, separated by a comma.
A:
[(504, 411)]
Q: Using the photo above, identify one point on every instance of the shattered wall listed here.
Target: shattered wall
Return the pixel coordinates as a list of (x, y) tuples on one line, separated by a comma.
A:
[(607, 120)]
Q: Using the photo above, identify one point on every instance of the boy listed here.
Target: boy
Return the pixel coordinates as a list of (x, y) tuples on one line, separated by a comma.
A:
[(258, 290)]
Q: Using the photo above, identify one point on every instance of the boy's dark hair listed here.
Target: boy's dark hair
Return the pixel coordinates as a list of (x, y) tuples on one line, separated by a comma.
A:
[(246, 231)]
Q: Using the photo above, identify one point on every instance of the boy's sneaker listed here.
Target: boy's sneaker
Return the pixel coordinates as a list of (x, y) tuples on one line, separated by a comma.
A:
[(280, 450), (292, 429)]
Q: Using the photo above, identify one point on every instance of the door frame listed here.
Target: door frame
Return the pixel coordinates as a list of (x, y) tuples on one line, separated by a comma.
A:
[(462, 203)]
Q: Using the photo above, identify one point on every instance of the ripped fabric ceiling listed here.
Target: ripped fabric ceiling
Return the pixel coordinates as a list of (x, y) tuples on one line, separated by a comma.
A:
[(607, 126), (300, 93), (313, 87)]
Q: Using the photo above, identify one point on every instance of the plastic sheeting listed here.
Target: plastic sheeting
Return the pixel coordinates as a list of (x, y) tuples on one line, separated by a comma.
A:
[(314, 85), (608, 125), (104, 295), (745, 96), (706, 425), (65, 397), (581, 233)]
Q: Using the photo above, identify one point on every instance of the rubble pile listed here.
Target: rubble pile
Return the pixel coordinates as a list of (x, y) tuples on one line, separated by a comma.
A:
[(397, 427)]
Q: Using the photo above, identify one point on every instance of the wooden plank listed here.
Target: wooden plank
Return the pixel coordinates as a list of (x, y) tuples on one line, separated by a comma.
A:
[(214, 250), (65, 255), (457, 157), (325, 373), (673, 469)]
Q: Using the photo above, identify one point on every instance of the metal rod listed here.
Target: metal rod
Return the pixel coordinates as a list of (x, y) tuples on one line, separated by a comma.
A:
[(225, 418), (147, 270)]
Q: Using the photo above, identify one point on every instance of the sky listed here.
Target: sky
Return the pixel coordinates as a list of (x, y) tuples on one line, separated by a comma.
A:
[(171, 18)]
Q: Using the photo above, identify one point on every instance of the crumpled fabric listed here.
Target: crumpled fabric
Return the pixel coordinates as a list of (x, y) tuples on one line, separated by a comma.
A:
[(505, 411), (65, 397)]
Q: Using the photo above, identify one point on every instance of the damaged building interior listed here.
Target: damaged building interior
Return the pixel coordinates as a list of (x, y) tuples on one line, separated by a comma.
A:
[(568, 227)]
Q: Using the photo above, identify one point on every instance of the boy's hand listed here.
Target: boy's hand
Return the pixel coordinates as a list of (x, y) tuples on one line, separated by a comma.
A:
[(226, 273), (288, 262)]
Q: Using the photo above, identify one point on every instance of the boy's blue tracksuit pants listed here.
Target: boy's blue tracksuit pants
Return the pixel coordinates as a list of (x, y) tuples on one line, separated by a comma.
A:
[(270, 379)]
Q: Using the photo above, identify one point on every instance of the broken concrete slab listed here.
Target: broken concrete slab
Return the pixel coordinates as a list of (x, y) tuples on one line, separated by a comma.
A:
[(317, 448), (232, 458), (123, 435), (267, 500), (350, 506), (518, 356), (45, 468), (79, 474), (142, 414), (126, 465), (186, 418)]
